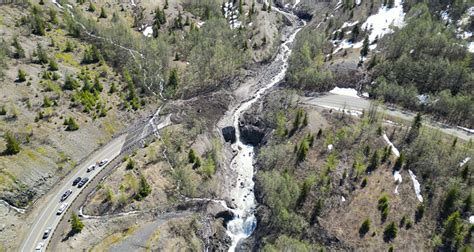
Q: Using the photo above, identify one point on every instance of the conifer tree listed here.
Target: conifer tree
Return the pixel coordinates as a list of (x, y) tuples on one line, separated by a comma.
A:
[(13, 146), (76, 224), (19, 52), (415, 129), (21, 75), (365, 47), (103, 14)]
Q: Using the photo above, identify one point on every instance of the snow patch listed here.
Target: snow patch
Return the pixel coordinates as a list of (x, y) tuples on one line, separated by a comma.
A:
[(416, 186), (466, 129), (397, 177), (343, 199), (471, 219), (379, 24), (330, 147), (462, 163), (470, 47), (394, 149), (344, 91), (55, 2), (148, 31)]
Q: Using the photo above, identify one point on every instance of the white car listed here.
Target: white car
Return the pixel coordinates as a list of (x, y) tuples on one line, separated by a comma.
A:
[(39, 247), (103, 162), (91, 168), (62, 208)]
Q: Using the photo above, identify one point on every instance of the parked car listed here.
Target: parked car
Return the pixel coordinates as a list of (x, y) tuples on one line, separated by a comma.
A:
[(103, 162), (91, 168), (39, 247), (62, 208), (47, 232), (82, 182), (77, 180), (66, 195)]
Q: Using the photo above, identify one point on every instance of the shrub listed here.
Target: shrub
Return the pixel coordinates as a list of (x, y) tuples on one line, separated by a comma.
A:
[(71, 124), (383, 207), (46, 102), (365, 227), (144, 189), (19, 52), (70, 83), (191, 156), (21, 75), (390, 232), (3, 110), (53, 66), (41, 54), (13, 146), (76, 224), (130, 164), (420, 210), (103, 14)]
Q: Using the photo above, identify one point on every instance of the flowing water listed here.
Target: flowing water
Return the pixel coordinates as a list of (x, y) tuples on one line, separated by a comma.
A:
[(243, 197)]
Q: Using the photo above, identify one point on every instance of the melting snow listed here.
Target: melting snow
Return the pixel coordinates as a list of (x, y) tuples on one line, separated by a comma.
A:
[(470, 47), (466, 129), (462, 163), (148, 31), (57, 4), (397, 177), (344, 91), (394, 149), (471, 219), (416, 186), (379, 23)]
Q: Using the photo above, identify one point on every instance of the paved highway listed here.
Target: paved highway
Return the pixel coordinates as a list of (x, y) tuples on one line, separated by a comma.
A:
[(351, 103), (47, 216)]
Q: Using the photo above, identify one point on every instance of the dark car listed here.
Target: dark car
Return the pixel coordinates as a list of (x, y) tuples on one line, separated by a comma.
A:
[(82, 182), (77, 180), (47, 232), (66, 195)]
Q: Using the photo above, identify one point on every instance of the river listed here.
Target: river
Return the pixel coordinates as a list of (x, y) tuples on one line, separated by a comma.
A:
[(244, 222)]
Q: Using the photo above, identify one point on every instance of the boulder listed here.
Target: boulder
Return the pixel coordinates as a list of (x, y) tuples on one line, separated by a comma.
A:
[(229, 134)]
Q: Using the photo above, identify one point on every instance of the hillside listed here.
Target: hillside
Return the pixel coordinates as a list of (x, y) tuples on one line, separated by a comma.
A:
[(237, 125)]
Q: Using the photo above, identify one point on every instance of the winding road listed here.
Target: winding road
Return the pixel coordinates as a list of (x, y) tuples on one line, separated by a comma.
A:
[(358, 104), (48, 217)]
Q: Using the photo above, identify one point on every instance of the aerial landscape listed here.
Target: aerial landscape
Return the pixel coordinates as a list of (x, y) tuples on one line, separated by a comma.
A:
[(236, 125)]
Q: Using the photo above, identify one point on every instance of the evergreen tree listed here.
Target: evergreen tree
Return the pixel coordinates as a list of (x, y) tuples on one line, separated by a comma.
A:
[(46, 102), (241, 10), (374, 162), (144, 189), (113, 88), (452, 228), (13, 146), (91, 7), (269, 9), (130, 164), (173, 80), (166, 5), (365, 227), (21, 75), (103, 14), (69, 46), (37, 23), (53, 66), (390, 231), (399, 163), (365, 47), (70, 83), (191, 156), (97, 85), (19, 52), (41, 54), (355, 33), (76, 224), (415, 129), (71, 124), (3, 110), (53, 18)]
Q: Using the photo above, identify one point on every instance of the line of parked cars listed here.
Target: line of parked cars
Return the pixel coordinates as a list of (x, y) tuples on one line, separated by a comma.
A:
[(79, 182)]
